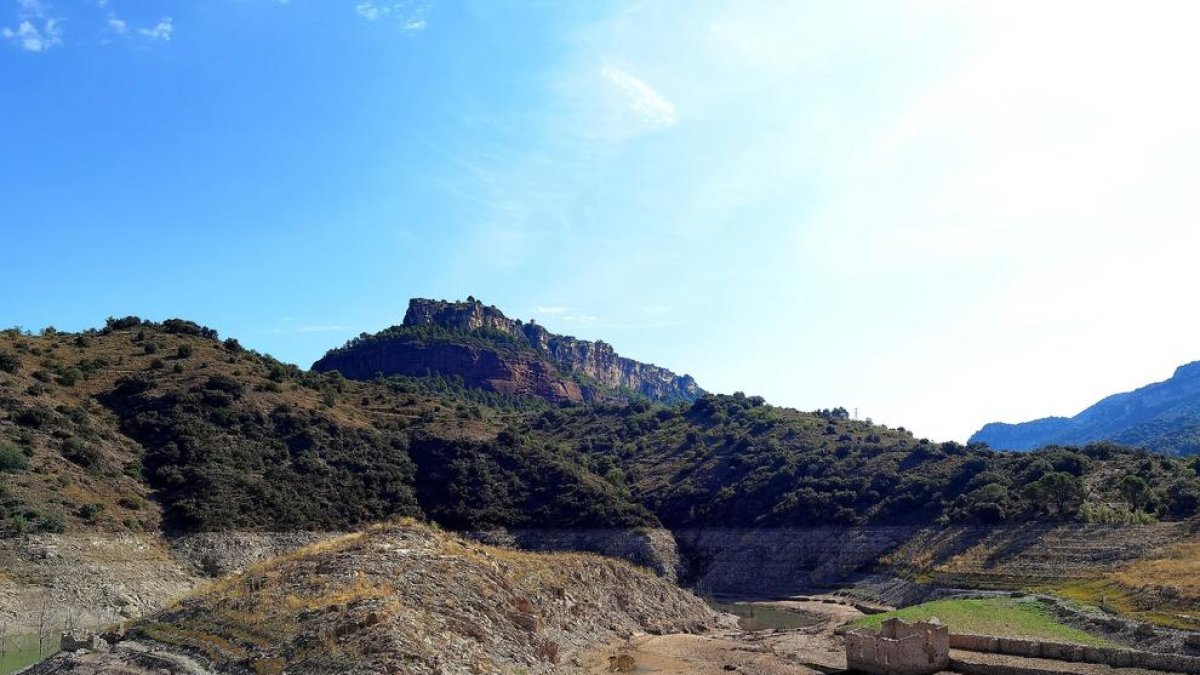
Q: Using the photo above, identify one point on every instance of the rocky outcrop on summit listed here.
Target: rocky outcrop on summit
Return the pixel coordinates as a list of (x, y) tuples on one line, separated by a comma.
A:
[(490, 351), (1164, 416)]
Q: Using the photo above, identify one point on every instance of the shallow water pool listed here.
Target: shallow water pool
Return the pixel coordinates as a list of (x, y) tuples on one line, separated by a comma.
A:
[(759, 617)]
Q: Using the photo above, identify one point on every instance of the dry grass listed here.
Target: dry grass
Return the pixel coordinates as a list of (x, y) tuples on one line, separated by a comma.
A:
[(206, 643), (1178, 570), (1164, 591), (404, 593), (361, 590)]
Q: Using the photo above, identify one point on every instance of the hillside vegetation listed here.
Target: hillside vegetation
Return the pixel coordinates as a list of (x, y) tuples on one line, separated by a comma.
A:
[(734, 460), (148, 426), (142, 426)]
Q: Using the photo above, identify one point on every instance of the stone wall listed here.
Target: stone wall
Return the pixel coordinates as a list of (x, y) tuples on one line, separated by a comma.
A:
[(899, 649), (1115, 657), (771, 563)]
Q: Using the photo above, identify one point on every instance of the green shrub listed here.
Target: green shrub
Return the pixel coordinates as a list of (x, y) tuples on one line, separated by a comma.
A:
[(34, 418), (70, 376), (113, 323), (133, 470), (132, 502), (89, 512), (52, 522), (9, 362), (184, 351), (12, 460), (182, 327), (79, 452)]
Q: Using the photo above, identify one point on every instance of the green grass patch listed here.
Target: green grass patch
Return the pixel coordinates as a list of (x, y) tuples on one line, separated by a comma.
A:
[(1007, 617)]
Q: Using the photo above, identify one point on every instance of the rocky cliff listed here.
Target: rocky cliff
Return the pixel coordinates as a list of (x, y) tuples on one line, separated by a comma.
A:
[(1164, 416), (491, 351)]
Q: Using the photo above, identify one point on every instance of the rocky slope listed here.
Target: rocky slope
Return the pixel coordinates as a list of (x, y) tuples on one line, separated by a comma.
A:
[(1164, 416), (402, 598), (58, 581), (491, 351)]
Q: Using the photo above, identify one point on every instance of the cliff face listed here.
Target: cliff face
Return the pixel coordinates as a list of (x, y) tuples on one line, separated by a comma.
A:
[(479, 367), (1163, 416), (503, 355)]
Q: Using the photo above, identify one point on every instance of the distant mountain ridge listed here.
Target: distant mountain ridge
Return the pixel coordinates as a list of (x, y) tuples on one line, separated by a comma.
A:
[(1164, 417), (488, 350)]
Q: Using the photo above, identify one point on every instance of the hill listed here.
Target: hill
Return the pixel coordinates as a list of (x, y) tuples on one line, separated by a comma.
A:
[(144, 426), (1162, 417), (488, 350), (143, 436), (400, 598), (737, 461)]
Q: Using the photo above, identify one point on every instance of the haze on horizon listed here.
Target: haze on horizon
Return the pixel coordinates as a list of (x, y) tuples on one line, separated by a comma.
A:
[(938, 213)]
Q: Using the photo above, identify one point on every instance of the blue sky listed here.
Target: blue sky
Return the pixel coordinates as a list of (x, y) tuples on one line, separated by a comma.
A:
[(940, 213)]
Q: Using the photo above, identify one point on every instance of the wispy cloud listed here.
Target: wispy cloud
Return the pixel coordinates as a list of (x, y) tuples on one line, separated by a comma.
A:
[(330, 328), (553, 309), (580, 318), (408, 14), (651, 107), (37, 30), (160, 31), (38, 26)]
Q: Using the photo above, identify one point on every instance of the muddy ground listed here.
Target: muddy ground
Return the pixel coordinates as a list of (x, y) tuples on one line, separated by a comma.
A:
[(801, 651)]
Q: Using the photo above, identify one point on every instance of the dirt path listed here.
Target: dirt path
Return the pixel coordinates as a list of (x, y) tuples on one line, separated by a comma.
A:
[(800, 651)]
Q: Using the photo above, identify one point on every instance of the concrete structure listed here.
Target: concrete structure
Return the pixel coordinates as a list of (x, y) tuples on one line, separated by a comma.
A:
[(73, 642), (1058, 651), (899, 649)]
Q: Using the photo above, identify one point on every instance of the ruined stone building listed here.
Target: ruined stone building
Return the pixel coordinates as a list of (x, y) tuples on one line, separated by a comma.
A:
[(899, 649)]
